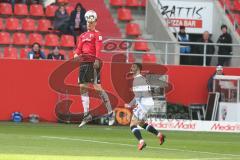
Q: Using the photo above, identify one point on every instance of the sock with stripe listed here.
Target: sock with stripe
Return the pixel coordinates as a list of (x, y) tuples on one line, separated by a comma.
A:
[(136, 132), (150, 129)]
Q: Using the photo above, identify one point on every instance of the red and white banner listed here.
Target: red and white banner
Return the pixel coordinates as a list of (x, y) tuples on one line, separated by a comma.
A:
[(188, 23), (203, 126), (196, 16)]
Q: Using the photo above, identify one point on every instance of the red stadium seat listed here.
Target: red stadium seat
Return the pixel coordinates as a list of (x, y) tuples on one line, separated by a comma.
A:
[(149, 58), (69, 9), (70, 55), (1, 24), (63, 52), (67, 41), (45, 51), (10, 52), (50, 10), (132, 3), (24, 53), (227, 4), (12, 24), (117, 3), (35, 37), (5, 38), (36, 10), (63, 1), (131, 58), (236, 5), (28, 24), (237, 18), (124, 14), (19, 39), (44, 25), (141, 45), (6, 9), (143, 3), (133, 29), (20, 9), (51, 40), (231, 18)]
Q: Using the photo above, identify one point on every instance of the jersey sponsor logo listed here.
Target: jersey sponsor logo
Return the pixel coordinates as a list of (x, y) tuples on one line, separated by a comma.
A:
[(86, 39)]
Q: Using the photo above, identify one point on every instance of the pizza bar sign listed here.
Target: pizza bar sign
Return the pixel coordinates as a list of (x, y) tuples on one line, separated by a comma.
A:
[(185, 22), (196, 16)]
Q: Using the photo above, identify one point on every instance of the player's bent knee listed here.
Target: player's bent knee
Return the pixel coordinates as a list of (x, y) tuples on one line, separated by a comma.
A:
[(83, 88), (134, 123), (142, 124), (97, 87)]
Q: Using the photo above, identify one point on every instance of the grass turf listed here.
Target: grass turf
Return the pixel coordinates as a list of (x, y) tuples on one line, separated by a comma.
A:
[(25, 141)]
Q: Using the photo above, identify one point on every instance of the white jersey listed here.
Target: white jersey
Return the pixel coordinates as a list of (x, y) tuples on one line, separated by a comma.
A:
[(142, 91)]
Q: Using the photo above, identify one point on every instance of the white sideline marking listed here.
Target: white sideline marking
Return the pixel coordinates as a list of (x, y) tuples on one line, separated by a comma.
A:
[(130, 145), (207, 158)]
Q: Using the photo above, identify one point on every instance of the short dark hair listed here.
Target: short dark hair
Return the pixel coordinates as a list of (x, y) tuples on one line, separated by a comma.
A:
[(139, 65), (79, 5), (36, 44), (182, 27), (224, 26)]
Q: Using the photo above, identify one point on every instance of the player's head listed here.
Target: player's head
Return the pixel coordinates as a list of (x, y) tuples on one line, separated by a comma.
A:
[(136, 68), (91, 18)]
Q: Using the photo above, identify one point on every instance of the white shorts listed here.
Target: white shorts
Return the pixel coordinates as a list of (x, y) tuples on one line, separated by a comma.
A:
[(143, 106), (139, 114)]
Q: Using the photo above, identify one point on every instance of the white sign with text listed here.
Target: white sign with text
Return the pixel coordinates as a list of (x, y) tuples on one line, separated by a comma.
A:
[(196, 16), (195, 125)]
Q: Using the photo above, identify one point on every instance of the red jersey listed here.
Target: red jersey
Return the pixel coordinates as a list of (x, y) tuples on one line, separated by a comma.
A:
[(89, 43)]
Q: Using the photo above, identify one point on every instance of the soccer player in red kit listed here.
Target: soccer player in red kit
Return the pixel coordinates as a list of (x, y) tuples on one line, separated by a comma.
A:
[(88, 48)]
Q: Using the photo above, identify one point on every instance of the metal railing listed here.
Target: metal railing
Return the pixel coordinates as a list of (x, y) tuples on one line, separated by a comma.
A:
[(164, 52)]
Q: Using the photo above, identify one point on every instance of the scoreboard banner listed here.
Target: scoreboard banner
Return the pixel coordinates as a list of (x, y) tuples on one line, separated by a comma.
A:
[(195, 125), (196, 16)]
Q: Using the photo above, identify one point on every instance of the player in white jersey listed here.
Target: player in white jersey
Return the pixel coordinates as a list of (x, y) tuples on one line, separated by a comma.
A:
[(142, 102)]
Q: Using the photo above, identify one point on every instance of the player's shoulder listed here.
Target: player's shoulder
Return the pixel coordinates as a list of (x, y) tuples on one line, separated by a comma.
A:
[(140, 77), (83, 34), (98, 34)]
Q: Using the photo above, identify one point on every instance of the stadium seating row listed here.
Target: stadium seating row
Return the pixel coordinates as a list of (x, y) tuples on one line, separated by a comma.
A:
[(233, 5), (12, 53), (234, 15), (131, 28), (128, 3), (26, 24), (50, 40), (36, 10)]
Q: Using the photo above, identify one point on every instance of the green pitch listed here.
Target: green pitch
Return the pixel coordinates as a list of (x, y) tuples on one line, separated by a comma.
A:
[(44, 141)]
